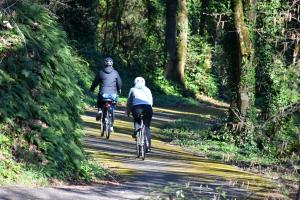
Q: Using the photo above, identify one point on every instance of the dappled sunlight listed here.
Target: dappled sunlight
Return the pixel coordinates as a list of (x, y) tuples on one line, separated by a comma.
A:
[(200, 110), (171, 163), (181, 113)]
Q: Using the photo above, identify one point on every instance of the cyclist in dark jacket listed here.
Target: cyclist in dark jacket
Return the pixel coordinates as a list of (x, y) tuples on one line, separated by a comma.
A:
[(109, 82)]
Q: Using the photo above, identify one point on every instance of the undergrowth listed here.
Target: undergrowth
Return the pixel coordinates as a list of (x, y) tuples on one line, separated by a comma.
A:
[(192, 135), (41, 84)]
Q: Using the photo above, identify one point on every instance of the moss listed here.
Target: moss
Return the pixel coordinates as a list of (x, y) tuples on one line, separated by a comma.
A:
[(246, 68), (40, 92)]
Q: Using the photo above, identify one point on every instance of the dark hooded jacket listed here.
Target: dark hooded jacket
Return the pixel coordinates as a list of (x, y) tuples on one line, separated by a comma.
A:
[(109, 81)]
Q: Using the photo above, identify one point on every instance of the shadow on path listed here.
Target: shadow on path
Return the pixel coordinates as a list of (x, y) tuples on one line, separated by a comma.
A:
[(166, 168), (168, 164)]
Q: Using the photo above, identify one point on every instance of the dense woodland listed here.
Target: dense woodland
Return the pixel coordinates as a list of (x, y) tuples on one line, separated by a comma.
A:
[(242, 52)]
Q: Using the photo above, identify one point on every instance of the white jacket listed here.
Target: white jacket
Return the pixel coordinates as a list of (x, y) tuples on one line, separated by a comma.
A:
[(139, 95)]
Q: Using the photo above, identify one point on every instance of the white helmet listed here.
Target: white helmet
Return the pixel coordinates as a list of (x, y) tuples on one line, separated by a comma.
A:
[(139, 82)]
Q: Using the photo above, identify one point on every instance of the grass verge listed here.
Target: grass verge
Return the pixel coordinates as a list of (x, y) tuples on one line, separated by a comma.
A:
[(191, 135)]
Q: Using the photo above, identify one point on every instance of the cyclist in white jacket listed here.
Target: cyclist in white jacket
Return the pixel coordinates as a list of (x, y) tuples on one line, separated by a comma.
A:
[(139, 102)]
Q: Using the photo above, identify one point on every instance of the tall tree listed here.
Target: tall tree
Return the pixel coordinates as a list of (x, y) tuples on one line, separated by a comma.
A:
[(245, 68), (176, 39), (298, 193)]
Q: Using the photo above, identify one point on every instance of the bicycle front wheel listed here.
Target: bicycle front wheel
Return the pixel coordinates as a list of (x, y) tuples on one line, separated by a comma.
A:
[(143, 150)]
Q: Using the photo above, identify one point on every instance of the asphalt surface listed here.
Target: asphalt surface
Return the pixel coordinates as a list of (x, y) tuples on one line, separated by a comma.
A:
[(168, 171)]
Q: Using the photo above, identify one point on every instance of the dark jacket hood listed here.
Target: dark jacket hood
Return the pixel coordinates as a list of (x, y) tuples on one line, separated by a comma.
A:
[(108, 70)]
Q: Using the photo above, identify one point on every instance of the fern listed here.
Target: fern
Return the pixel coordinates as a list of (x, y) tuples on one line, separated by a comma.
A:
[(40, 79)]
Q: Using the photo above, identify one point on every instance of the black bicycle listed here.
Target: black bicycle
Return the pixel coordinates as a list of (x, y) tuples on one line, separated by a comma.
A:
[(107, 122), (141, 140)]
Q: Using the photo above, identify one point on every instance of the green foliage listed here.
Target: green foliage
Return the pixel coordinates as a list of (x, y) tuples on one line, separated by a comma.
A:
[(277, 80), (12, 170), (79, 19), (160, 82), (132, 33), (198, 67), (166, 93), (267, 51), (42, 78), (219, 145), (40, 93)]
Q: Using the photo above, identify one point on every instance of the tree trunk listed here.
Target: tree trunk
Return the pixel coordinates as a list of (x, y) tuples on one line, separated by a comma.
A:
[(176, 39), (246, 72), (182, 40), (296, 53), (298, 193), (118, 10)]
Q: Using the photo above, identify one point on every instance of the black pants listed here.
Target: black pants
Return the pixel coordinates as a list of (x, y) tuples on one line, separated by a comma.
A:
[(100, 102), (147, 112)]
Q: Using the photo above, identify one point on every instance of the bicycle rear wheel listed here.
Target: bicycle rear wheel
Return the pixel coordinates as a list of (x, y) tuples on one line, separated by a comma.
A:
[(107, 124), (137, 141), (102, 126), (143, 143)]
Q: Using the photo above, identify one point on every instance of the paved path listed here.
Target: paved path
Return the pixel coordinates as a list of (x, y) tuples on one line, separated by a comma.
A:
[(166, 168)]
